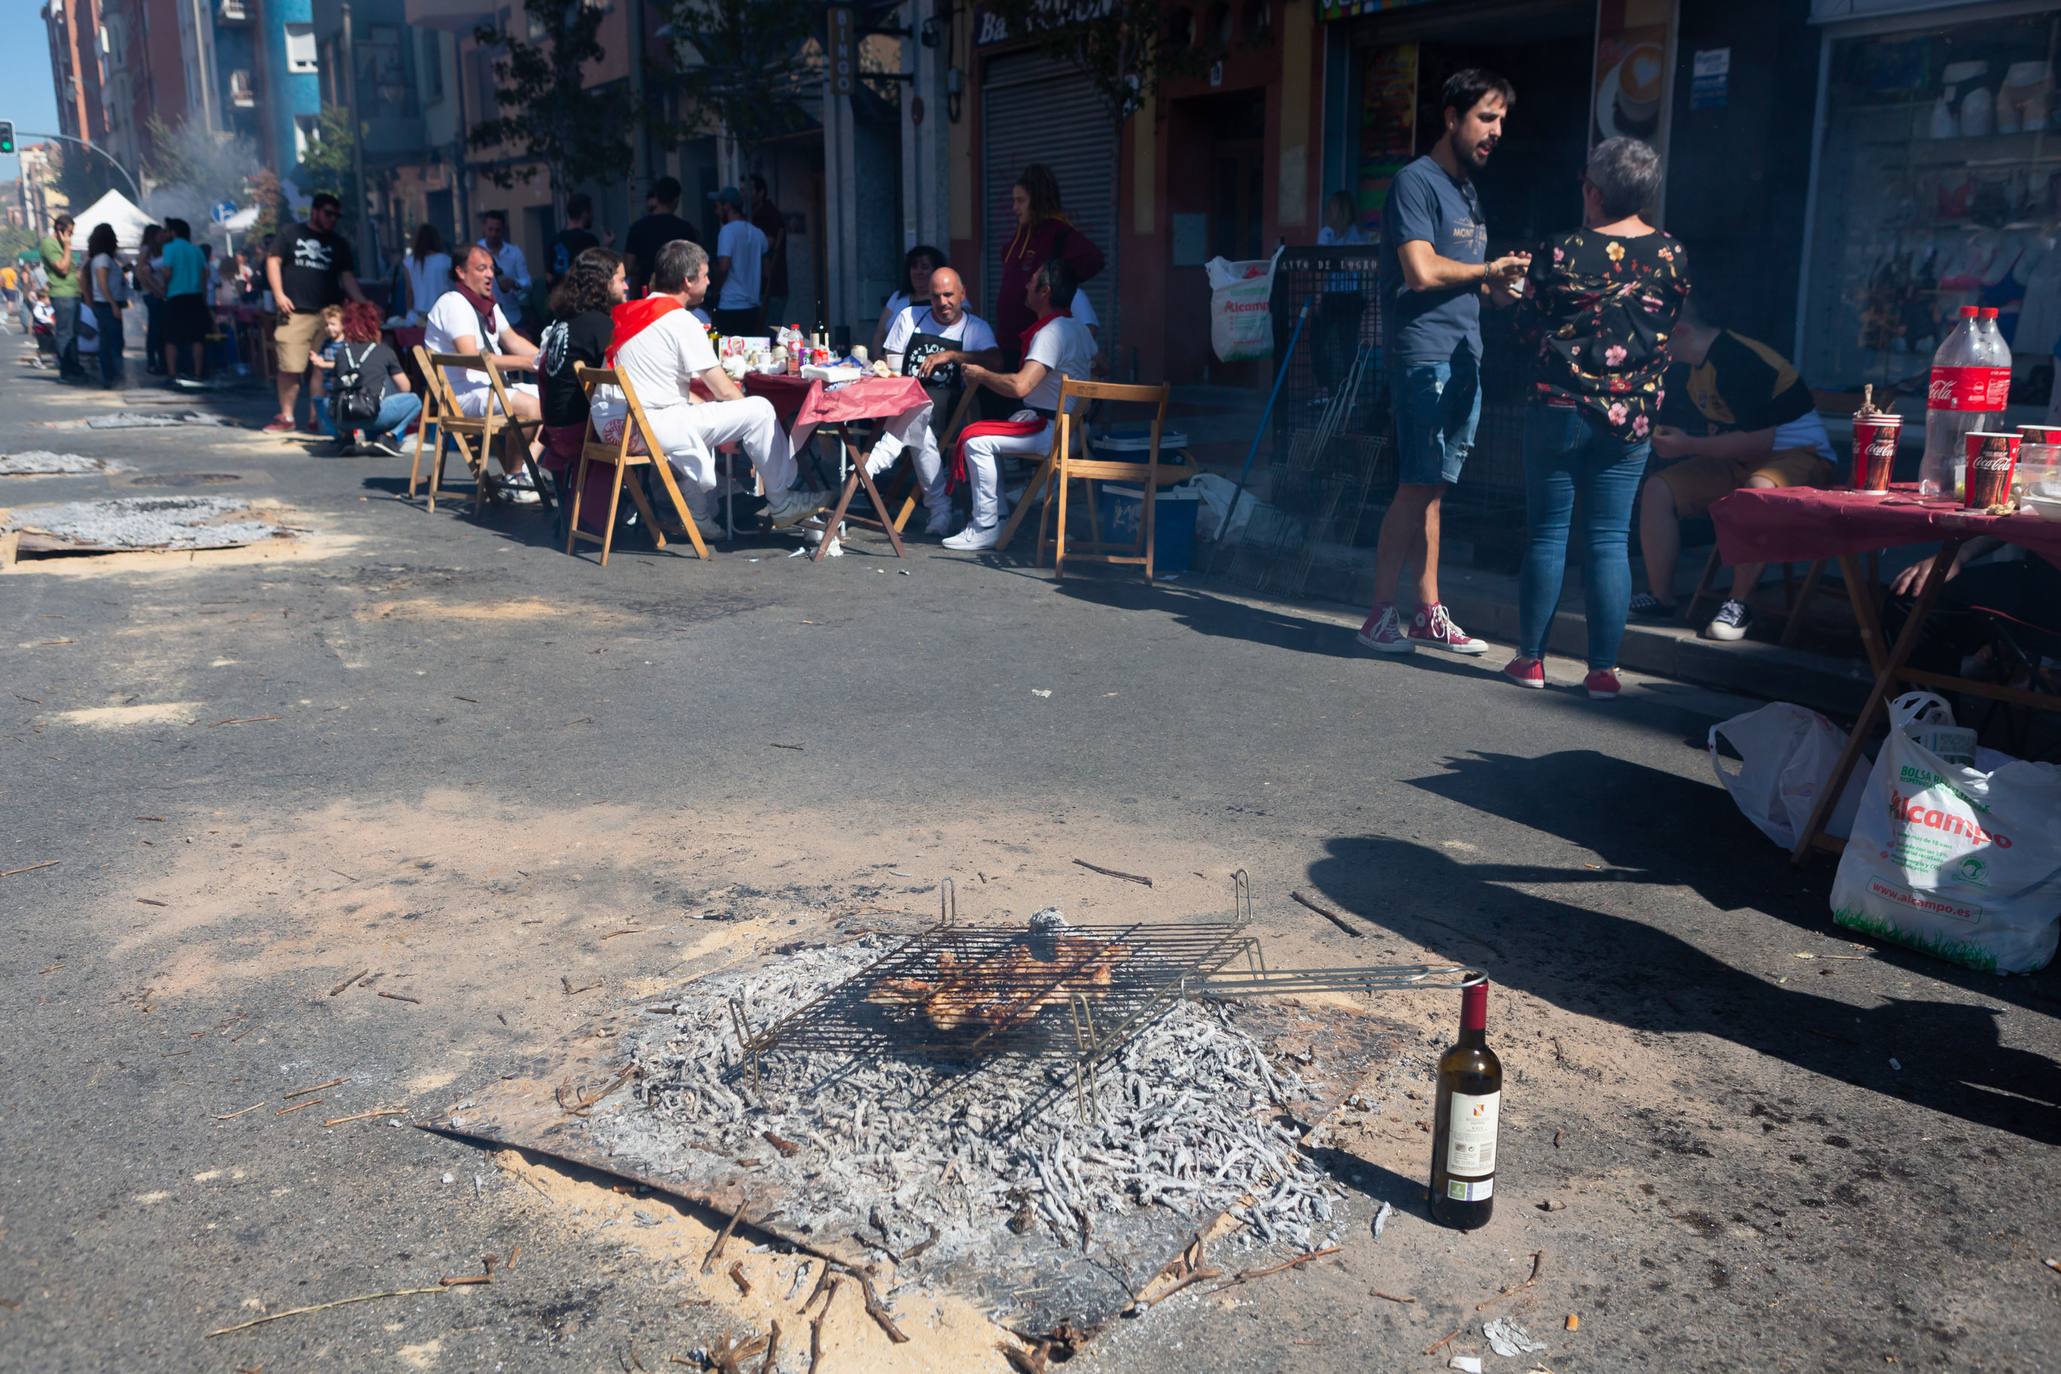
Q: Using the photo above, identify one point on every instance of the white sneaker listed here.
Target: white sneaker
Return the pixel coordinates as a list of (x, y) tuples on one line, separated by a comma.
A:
[(939, 524), (975, 538), (517, 488), (792, 507)]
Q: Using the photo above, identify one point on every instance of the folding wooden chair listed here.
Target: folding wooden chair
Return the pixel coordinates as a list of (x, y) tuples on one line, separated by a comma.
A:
[(500, 422), (946, 437), (634, 447), (432, 410)]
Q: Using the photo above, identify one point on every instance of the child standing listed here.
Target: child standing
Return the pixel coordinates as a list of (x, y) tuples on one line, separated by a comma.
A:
[(324, 359)]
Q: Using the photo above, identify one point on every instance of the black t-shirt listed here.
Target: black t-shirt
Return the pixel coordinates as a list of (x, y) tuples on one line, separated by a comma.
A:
[(1743, 384), (646, 237), (569, 244), (311, 267), (582, 339)]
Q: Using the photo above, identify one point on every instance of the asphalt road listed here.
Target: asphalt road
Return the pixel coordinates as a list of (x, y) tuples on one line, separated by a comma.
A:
[(475, 768)]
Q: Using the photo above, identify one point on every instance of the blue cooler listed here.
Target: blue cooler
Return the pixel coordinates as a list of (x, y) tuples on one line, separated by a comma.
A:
[(1121, 509)]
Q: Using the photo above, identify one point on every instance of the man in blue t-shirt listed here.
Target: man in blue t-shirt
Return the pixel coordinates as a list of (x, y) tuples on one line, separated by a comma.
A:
[(1434, 272), (187, 317)]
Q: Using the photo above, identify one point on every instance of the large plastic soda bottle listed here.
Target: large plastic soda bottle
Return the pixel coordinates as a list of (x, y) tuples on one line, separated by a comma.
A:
[(1956, 401), (1998, 349)]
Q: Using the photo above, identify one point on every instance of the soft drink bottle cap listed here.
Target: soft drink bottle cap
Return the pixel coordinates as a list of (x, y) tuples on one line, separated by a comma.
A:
[(1989, 312), (1968, 312)]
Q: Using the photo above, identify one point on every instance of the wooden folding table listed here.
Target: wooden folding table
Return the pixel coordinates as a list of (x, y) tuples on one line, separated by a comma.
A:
[(806, 407), (1798, 524)]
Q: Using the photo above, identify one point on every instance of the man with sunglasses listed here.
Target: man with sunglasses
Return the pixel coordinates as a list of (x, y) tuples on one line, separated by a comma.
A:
[(309, 266)]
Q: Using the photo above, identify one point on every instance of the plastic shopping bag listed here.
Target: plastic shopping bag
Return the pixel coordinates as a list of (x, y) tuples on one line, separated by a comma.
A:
[(1962, 862), (1785, 755), (1241, 316)]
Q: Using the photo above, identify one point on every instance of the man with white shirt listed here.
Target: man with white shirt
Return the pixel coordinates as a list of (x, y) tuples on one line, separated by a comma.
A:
[(737, 277), (466, 319), (511, 268), (663, 351), (1055, 347), (933, 342)]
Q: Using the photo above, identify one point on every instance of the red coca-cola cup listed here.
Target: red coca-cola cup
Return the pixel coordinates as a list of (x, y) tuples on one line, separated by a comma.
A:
[(1874, 449), (1991, 456)]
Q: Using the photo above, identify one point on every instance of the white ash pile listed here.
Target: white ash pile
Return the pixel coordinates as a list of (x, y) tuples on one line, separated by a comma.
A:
[(915, 1157)]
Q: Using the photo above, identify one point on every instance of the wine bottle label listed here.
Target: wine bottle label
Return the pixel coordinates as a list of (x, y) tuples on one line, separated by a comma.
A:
[(1471, 1139), (1465, 1190)]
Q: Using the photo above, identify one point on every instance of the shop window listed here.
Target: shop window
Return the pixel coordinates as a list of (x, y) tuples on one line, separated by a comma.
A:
[(1938, 185), (301, 53)]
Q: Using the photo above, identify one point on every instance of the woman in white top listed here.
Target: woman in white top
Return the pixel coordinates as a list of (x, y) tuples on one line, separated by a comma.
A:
[(428, 268), (917, 264), (108, 294)]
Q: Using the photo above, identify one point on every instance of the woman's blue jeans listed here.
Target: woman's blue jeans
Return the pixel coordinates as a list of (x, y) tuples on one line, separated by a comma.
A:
[(108, 321), (396, 409), (1569, 455)]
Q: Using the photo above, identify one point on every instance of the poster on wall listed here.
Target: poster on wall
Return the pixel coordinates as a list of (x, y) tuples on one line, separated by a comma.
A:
[(1388, 127), (1633, 38)]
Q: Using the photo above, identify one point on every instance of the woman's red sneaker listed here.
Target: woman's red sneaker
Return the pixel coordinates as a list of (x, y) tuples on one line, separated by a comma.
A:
[(1526, 672), (1602, 685)]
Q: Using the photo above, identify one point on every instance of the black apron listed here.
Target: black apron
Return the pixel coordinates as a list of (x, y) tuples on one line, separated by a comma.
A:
[(944, 383)]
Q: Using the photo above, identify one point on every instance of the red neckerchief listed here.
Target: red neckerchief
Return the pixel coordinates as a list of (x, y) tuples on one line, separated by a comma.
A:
[(1043, 320), (632, 318), (482, 306)]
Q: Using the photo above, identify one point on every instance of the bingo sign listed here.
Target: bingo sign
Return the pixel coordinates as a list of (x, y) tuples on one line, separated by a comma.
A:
[(844, 51)]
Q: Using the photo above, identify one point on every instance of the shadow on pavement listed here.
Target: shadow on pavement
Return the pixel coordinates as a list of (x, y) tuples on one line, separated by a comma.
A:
[(1209, 614), (1652, 827)]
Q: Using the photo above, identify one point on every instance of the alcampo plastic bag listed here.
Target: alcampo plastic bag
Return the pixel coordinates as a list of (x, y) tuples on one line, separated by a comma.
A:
[(1960, 862), (1785, 754), (1241, 316)]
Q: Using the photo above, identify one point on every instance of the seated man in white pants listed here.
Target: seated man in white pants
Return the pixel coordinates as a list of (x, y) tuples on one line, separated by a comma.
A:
[(662, 349), (466, 320), (1057, 346), (933, 342)]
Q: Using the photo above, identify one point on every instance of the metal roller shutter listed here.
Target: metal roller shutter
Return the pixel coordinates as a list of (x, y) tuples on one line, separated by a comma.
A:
[(1036, 108)]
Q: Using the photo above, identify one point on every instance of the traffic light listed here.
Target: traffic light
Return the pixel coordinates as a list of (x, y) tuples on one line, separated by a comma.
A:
[(6, 138)]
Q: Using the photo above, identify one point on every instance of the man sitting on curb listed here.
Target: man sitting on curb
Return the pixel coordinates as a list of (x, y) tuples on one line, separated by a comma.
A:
[(1764, 432), (466, 320), (932, 342), (1055, 347), (662, 350)]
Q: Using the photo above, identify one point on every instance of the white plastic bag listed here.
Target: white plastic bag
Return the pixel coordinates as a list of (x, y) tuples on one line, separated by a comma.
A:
[(1785, 755), (1241, 316), (1964, 863)]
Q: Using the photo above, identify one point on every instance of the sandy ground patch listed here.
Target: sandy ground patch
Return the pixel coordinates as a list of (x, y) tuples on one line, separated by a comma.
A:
[(431, 608), (304, 548), (124, 717)]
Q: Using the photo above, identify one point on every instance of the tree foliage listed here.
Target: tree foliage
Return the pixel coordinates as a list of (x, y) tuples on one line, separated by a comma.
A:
[(1126, 48), (549, 119), (329, 163), (742, 63)]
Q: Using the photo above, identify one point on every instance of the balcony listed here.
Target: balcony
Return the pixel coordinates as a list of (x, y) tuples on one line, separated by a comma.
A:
[(232, 11)]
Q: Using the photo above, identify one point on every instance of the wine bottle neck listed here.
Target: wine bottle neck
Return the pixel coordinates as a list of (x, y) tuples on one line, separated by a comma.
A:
[(1473, 1038)]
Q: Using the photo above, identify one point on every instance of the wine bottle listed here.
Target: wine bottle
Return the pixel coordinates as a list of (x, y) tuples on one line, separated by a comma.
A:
[(1463, 1140)]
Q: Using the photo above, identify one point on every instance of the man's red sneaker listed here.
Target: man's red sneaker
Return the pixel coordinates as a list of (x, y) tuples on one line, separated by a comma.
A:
[(279, 426), (1602, 685), (1526, 672), (1432, 625), (1383, 632)]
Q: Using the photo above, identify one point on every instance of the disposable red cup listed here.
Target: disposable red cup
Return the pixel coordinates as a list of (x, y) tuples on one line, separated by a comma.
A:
[(1874, 450), (1992, 455), (2041, 434)]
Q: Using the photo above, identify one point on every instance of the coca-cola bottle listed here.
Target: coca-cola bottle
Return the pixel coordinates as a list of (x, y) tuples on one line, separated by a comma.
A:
[(1956, 401), (1998, 349)]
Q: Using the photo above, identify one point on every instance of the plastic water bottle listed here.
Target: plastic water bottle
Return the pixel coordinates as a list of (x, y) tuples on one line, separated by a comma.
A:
[(1956, 401)]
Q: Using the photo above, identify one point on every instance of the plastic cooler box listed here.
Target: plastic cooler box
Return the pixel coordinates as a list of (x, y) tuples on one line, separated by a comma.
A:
[(1121, 509)]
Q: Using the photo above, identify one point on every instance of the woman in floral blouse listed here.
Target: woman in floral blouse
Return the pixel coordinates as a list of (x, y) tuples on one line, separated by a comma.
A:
[(1602, 302)]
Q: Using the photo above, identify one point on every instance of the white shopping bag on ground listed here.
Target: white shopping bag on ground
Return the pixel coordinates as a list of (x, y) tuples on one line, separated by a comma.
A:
[(1785, 755), (1241, 316), (1960, 862)]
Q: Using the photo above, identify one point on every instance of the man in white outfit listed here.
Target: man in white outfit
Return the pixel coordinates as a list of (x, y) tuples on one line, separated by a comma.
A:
[(933, 343), (466, 319), (1056, 347), (663, 351)]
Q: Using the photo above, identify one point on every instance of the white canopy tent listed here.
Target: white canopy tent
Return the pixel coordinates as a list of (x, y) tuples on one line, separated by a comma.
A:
[(118, 210)]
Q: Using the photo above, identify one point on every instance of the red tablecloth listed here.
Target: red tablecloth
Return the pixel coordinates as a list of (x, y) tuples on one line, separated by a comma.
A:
[(806, 401), (1795, 524)]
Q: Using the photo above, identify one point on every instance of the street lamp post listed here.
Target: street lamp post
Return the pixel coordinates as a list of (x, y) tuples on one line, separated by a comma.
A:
[(134, 190)]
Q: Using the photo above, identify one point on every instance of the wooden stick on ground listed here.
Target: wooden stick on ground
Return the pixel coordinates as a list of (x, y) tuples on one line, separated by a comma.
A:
[(303, 1092), (231, 1116), (365, 1116), (325, 1306), (1538, 1258), (300, 1106), (401, 997), (715, 1252), (1248, 1275), (348, 981), (1115, 873), (736, 1273), (1333, 917), (878, 1311), (30, 868), (772, 1360)]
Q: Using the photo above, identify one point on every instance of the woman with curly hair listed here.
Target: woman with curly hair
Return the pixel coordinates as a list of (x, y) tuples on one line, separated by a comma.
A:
[(380, 376), (579, 332), (1041, 232)]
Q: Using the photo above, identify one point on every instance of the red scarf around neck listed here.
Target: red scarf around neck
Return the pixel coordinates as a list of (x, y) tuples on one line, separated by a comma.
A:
[(482, 306), (1043, 320), (632, 318)]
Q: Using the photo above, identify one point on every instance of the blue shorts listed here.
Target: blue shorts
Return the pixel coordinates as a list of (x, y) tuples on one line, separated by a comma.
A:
[(1437, 405)]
